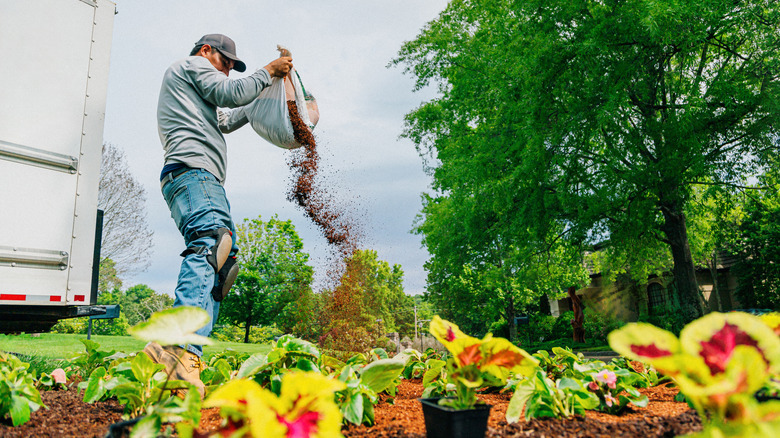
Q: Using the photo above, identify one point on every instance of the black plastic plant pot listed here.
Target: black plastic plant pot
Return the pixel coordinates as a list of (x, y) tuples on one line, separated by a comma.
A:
[(121, 429), (445, 422)]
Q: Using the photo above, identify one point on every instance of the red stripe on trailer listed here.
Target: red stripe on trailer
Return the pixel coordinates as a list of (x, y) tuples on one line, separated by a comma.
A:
[(79, 298), (55, 298), (12, 297)]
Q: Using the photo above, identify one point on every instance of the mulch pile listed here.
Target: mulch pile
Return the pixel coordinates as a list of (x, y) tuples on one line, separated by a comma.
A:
[(68, 416)]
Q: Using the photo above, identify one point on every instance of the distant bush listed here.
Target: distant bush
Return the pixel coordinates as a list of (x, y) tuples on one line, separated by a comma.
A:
[(257, 335), (71, 326)]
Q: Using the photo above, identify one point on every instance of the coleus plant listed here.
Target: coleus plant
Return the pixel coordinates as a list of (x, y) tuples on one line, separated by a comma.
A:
[(718, 362), (477, 363), (304, 408)]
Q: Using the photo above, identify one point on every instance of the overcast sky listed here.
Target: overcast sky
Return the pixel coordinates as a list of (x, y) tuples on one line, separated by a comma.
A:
[(341, 50)]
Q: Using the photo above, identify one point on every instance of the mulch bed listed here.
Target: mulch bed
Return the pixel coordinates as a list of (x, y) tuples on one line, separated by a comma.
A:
[(68, 416)]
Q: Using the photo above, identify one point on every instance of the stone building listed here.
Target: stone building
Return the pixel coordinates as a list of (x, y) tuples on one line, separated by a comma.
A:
[(626, 300)]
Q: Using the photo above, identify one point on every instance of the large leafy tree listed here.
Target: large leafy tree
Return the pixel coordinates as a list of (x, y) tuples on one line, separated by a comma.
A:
[(580, 121), (274, 283)]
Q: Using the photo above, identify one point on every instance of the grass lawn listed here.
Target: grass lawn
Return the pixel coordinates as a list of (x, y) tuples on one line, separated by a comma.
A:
[(65, 346)]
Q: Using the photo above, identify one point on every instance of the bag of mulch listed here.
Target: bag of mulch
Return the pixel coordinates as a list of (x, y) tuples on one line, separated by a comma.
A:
[(270, 113)]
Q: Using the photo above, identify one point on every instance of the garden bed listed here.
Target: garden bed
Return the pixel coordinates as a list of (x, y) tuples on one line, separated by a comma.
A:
[(662, 417), (68, 416)]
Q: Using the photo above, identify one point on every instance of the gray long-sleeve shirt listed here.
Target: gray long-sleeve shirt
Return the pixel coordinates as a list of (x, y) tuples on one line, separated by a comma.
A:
[(188, 119)]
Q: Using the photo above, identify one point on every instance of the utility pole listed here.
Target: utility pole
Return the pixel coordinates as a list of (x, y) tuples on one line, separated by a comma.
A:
[(415, 321)]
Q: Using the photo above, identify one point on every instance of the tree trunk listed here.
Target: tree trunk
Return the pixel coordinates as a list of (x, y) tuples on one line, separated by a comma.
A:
[(684, 272), (715, 289), (510, 317), (248, 326), (578, 323)]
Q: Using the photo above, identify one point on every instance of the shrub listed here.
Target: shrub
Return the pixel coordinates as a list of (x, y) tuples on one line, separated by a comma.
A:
[(71, 326), (597, 326), (540, 328), (257, 335)]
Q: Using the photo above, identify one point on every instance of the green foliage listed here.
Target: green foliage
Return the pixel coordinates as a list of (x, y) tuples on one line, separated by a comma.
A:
[(755, 240), (257, 335), (137, 303), (357, 401), (144, 387), (288, 353), (540, 396), (668, 318), (19, 396), (71, 325), (274, 283), (598, 325), (85, 363), (560, 124), (615, 387)]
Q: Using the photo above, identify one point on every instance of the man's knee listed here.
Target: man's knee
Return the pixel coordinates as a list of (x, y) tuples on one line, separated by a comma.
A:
[(218, 256)]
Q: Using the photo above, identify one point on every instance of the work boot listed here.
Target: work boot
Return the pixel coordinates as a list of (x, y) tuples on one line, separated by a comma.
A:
[(180, 364)]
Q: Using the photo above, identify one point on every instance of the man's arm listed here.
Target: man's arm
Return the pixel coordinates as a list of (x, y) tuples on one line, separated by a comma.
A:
[(230, 120), (217, 89)]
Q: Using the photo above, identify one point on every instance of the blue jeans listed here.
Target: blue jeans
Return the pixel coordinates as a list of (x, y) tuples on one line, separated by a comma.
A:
[(198, 203)]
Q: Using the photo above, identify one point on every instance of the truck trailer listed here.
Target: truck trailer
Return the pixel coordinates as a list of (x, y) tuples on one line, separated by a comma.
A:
[(52, 111)]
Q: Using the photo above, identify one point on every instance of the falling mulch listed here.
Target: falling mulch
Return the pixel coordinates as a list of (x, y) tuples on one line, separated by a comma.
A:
[(67, 416)]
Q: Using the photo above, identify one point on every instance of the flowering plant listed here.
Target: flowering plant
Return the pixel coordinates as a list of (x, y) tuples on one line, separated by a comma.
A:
[(719, 362), (615, 389), (305, 407), (475, 363)]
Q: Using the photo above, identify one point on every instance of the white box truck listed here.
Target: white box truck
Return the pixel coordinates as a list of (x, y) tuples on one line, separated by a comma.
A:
[(54, 76)]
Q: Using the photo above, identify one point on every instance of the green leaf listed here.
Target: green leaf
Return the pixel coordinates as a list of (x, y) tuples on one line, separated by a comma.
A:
[(95, 386), (252, 365), (148, 426), (20, 410), (143, 368), (291, 343), (353, 409), (434, 370), (174, 326), (522, 395), (380, 374)]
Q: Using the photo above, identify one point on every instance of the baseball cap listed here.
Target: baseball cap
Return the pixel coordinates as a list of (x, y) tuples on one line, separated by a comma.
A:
[(225, 45)]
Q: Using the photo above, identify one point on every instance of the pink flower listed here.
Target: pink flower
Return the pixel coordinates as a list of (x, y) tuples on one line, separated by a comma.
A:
[(59, 376), (593, 386), (609, 399), (606, 376)]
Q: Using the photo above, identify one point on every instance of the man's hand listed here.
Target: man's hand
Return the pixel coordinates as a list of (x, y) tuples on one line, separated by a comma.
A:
[(279, 67)]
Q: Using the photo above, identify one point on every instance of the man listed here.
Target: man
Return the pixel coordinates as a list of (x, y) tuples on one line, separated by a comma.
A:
[(191, 123)]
